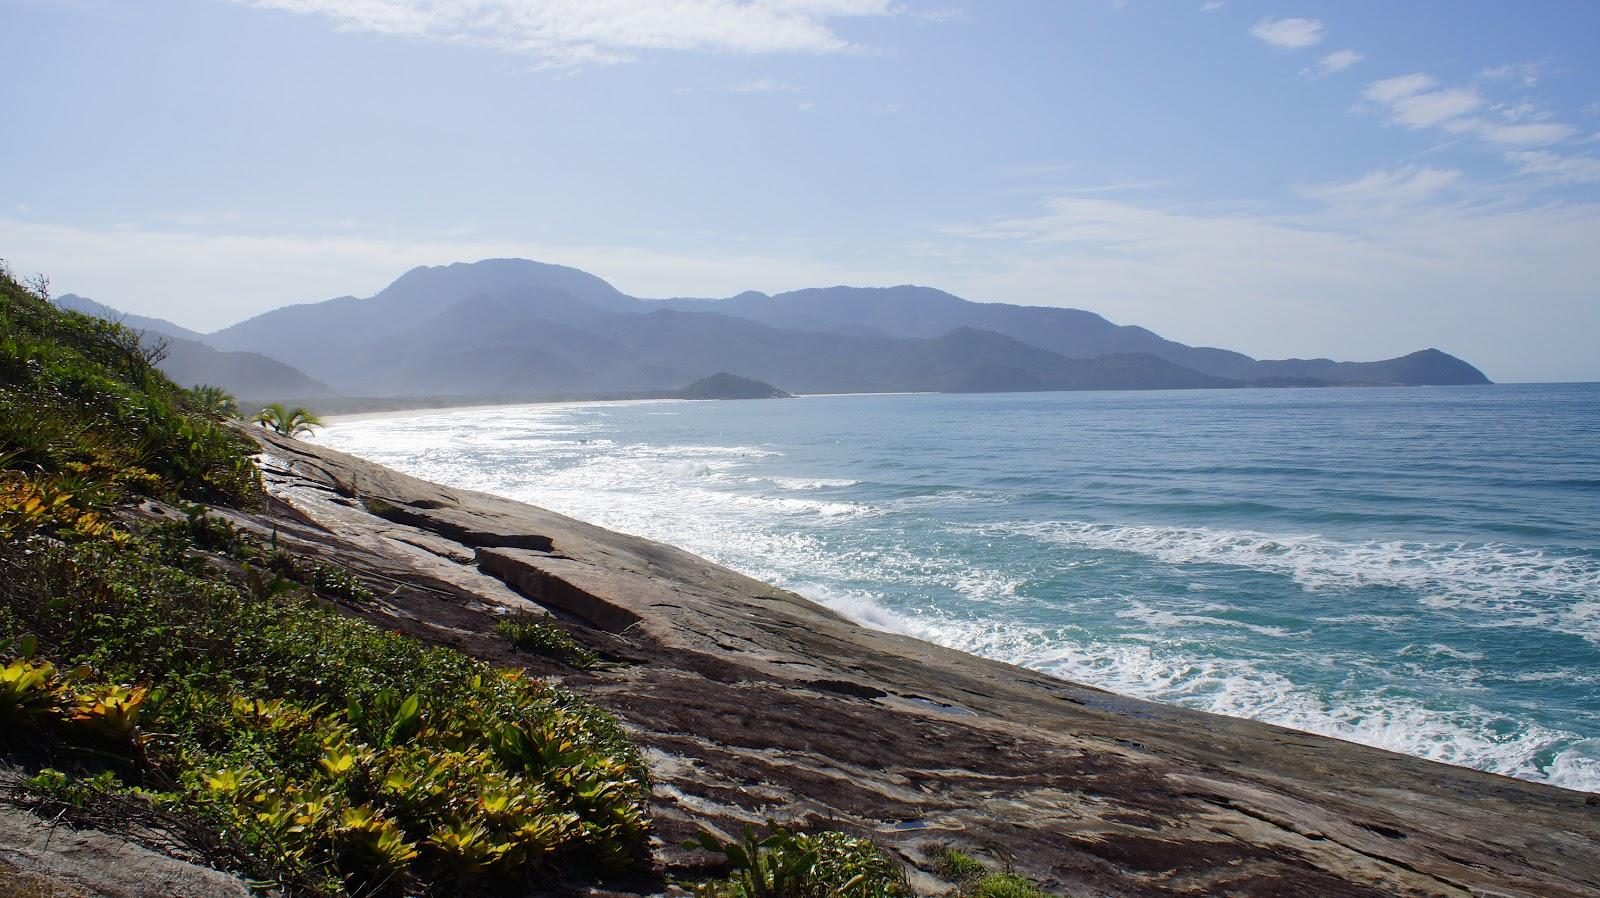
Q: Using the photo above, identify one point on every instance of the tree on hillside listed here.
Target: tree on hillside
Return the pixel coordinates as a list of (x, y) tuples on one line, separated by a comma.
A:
[(215, 401), (289, 422)]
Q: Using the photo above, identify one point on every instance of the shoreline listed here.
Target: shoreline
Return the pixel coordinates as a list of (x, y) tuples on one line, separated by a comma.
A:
[(754, 701), (879, 605), (393, 406), (388, 414)]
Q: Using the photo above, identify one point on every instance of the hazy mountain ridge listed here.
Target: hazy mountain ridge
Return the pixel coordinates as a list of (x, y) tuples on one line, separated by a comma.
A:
[(515, 326), (189, 361), (910, 311), (87, 306)]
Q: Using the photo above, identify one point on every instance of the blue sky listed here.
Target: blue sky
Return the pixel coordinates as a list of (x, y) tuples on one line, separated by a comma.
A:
[(1346, 179)]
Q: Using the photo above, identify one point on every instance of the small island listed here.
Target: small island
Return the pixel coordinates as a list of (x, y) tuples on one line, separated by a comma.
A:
[(723, 385)]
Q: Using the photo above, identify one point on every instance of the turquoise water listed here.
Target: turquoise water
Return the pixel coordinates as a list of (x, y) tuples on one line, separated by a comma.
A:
[(1417, 569)]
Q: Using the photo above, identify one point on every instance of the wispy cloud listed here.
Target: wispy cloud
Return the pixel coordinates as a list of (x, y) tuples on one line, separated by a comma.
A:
[(1524, 74), (764, 85), (1556, 167), (1416, 101), (1116, 187), (1290, 34), (1385, 188), (1334, 62), (574, 32), (1390, 89), (1528, 134), (1211, 5)]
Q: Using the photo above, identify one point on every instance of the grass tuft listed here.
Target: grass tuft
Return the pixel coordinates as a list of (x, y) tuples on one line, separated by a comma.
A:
[(974, 880), (543, 637)]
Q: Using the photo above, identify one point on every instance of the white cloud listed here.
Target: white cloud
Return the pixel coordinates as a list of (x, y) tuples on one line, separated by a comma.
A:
[(806, 105), (764, 85), (1525, 74), (1386, 188), (569, 32), (1391, 89), (1412, 101), (1337, 61), (1434, 108), (1556, 167), (1211, 5), (1527, 134), (1291, 34), (1419, 102)]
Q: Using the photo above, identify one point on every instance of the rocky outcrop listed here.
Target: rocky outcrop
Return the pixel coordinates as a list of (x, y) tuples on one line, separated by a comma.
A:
[(723, 385), (754, 703)]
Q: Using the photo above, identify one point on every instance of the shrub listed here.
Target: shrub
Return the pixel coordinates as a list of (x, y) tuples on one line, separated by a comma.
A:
[(214, 401), (957, 866), (782, 864), (543, 637), (974, 880), (289, 422), (1004, 885)]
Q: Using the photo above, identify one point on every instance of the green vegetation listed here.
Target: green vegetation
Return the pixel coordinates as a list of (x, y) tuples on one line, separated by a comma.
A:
[(974, 880), (782, 864), (957, 866), (291, 422), (543, 637), (214, 401), (186, 673)]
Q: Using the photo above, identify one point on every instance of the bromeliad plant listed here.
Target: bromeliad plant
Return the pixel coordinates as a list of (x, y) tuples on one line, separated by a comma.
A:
[(782, 864), (30, 692)]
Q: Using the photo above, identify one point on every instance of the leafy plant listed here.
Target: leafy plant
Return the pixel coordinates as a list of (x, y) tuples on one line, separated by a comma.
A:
[(111, 712), (289, 422), (214, 401), (543, 637), (782, 864), (29, 693)]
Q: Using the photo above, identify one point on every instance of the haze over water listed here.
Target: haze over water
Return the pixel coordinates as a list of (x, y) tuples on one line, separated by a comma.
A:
[(1416, 569)]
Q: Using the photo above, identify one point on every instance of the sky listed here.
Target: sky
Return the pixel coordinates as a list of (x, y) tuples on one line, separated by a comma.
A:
[(1287, 178)]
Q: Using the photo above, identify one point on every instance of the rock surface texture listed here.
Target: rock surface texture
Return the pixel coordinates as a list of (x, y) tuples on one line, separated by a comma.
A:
[(753, 703)]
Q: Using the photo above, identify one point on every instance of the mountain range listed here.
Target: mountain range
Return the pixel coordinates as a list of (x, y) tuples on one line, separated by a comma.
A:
[(513, 327)]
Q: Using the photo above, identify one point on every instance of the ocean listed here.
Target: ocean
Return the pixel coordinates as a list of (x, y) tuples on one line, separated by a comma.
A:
[(1415, 568)]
